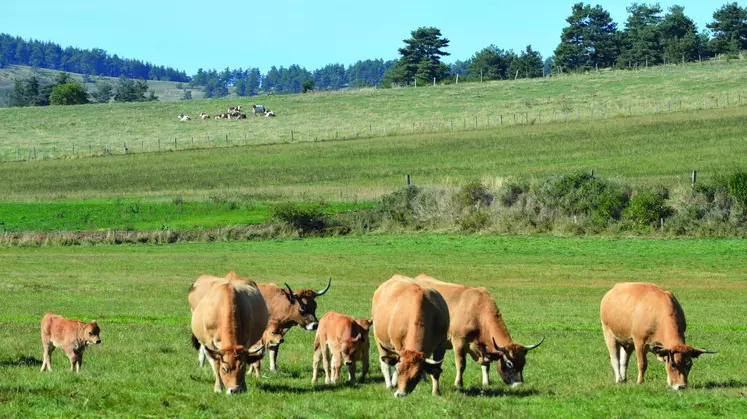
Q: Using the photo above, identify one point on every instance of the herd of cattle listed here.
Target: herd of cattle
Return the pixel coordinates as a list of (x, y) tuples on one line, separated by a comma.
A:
[(234, 112), (415, 320)]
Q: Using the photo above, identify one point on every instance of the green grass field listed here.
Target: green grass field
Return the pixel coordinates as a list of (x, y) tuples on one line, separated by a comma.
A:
[(544, 286), (368, 112)]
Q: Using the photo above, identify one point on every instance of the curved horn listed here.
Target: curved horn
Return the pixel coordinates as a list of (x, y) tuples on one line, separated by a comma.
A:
[(324, 291), (529, 348), (500, 348), (357, 338), (709, 352), (290, 292), (432, 362), (254, 351)]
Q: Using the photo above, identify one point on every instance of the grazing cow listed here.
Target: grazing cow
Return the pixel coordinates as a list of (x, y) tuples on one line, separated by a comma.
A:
[(183, 117), (258, 109), (271, 338), (71, 335), (230, 317), (642, 317), (412, 323), (341, 338), (203, 115), (269, 113), (234, 109), (477, 328), (290, 308)]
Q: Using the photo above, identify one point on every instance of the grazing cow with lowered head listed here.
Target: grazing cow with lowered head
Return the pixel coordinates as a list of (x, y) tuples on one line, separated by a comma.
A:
[(642, 317), (258, 109), (412, 324), (290, 308), (477, 328), (71, 335), (228, 319), (339, 339)]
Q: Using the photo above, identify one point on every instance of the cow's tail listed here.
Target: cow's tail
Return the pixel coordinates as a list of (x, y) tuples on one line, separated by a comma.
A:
[(196, 343)]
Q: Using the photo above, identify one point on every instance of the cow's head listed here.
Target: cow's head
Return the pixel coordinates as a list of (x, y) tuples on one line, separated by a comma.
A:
[(303, 305), (91, 333), (232, 363), (411, 367), (678, 361), (510, 361), (273, 335)]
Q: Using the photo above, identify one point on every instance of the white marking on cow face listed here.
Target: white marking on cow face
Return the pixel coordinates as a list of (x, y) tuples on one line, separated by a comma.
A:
[(312, 326), (516, 384)]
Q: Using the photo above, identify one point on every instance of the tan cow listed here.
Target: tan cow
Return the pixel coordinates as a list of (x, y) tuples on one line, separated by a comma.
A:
[(230, 317), (642, 317), (412, 323), (72, 336), (271, 338), (341, 338), (477, 328)]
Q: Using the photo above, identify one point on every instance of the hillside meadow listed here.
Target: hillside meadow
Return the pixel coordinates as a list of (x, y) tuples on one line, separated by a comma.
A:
[(53, 131), (544, 287)]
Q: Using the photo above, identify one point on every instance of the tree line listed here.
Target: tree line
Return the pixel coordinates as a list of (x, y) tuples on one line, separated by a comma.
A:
[(94, 62), (63, 90)]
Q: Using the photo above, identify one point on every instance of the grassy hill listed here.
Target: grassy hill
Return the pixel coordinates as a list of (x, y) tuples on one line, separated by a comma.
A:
[(165, 90), (370, 112)]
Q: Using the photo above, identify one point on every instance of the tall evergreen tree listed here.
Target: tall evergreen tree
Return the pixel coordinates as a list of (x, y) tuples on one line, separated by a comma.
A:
[(527, 65), (492, 62), (641, 39), (729, 28), (421, 56), (588, 41), (679, 36)]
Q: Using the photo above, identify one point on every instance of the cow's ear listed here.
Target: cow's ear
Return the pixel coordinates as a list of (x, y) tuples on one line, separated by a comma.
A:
[(660, 351), (390, 360)]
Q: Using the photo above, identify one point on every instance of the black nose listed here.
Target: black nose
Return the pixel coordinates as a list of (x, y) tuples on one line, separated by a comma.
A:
[(98, 341), (348, 363), (282, 341)]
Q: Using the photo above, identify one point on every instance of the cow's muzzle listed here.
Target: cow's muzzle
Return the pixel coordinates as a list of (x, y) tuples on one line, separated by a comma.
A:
[(312, 326), (235, 390), (679, 386), (400, 394), (348, 363)]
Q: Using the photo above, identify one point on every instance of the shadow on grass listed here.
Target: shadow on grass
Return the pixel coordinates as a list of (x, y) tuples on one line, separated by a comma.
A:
[(22, 361), (282, 388), (726, 384), (497, 392)]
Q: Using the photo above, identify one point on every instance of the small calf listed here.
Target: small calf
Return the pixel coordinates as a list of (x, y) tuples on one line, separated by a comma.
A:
[(272, 337), (71, 335), (341, 338)]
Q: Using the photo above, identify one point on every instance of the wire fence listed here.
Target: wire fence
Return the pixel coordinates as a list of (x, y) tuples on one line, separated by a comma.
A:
[(560, 113)]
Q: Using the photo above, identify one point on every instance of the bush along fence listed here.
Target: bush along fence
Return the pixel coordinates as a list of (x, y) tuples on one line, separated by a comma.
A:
[(578, 203), (552, 111)]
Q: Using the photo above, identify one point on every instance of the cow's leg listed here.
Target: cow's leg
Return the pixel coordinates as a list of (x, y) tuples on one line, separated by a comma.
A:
[(459, 360), (218, 388), (640, 351), (274, 357), (325, 363), (485, 374), (625, 352), (80, 361), (437, 354), (256, 368), (351, 372), (48, 348), (72, 356), (364, 365), (614, 349), (386, 372), (317, 358), (201, 355), (336, 364)]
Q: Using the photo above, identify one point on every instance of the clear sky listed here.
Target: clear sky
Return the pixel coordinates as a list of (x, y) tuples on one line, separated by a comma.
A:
[(190, 34)]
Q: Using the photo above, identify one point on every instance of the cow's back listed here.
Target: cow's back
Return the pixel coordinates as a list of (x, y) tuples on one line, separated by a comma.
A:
[(253, 309), (637, 309), (465, 303)]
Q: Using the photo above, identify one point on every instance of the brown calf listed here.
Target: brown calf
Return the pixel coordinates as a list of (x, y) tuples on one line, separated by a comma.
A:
[(341, 338), (271, 338), (71, 335)]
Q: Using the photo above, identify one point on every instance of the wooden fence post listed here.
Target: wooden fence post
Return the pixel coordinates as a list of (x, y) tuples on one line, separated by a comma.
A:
[(501, 119), (226, 139), (73, 149), (16, 153), (174, 143), (452, 125), (464, 124), (90, 149), (591, 173), (34, 152), (407, 179), (124, 146), (106, 148), (291, 135), (193, 141), (695, 176), (475, 122)]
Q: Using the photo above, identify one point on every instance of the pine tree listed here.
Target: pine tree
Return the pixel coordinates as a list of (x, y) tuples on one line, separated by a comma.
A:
[(729, 28), (588, 41), (421, 56)]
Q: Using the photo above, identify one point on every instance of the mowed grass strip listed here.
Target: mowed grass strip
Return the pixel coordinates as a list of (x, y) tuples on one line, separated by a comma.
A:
[(366, 112), (651, 149), (543, 285)]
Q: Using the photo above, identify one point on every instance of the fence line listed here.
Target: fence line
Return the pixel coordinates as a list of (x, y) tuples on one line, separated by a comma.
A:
[(560, 114)]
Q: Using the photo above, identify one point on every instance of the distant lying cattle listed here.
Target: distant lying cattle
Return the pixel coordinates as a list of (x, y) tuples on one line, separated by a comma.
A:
[(71, 335), (183, 117), (222, 116), (477, 329), (269, 113), (642, 317), (241, 116), (258, 109), (234, 109), (203, 115), (340, 338), (412, 324)]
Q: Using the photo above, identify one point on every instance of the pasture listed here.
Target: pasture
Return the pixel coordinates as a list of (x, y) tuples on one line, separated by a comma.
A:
[(543, 285), (368, 112)]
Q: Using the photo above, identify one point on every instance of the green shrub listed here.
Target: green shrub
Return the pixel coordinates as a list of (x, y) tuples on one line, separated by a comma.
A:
[(398, 206), (582, 194), (305, 219), (475, 221), (737, 187), (647, 208), (509, 192), (472, 195)]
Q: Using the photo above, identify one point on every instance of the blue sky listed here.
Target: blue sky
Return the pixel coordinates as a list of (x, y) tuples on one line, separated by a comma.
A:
[(189, 34)]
